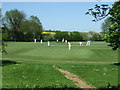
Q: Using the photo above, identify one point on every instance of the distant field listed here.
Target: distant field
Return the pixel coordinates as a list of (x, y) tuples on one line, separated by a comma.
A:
[(93, 63)]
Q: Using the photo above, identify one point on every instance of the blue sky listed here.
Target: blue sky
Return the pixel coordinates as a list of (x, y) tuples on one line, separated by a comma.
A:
[(64, 16)]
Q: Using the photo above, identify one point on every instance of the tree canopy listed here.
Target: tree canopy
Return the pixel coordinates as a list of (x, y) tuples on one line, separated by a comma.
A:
[(13, 21), (19, 28)]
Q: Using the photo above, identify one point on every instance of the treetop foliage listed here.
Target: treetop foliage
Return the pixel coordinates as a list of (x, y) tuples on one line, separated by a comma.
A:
[(19, 28)]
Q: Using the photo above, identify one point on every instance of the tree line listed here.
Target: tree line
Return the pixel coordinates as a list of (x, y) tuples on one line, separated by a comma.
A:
[(74, 36)]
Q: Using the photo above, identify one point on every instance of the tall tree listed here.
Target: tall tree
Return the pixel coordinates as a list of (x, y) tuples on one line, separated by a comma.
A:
[(13, 21), (36, 26), (26, 30)]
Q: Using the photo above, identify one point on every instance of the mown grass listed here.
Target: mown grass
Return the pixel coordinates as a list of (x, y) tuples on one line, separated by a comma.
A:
[(37, 61), (98, 51)]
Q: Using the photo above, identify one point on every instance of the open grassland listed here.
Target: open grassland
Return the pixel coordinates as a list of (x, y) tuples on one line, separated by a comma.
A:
[(94, 64)]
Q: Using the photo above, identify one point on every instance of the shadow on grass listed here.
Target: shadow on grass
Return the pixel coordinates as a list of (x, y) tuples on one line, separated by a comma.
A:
[(7, 62), (118, 64), (110, 88)]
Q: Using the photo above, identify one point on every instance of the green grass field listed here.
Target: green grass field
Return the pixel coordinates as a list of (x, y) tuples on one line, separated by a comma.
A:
[(94, 64)]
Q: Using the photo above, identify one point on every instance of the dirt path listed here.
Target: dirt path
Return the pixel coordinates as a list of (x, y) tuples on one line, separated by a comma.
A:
[(76, 79)]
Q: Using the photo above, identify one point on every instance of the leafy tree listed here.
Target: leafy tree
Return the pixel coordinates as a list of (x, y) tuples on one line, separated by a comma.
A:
[(31, 29), (48, 37), (26, 30), (85, 36), (107, 23), (60, 35), (76, 36), (3, 36), (113, 35), (13, 21), (95, 36), (91, 34), (36, 27), (113, 32)]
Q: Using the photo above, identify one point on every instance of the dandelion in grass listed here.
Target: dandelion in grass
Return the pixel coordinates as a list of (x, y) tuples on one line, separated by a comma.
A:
[(72, 66), (83, 66), (105, 68), (1, 76), (34, 85), (17, 64), (104, 73), (13, 68), (56, 81), (57, 84), (97, 70), (23, 76), (113, 69)]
